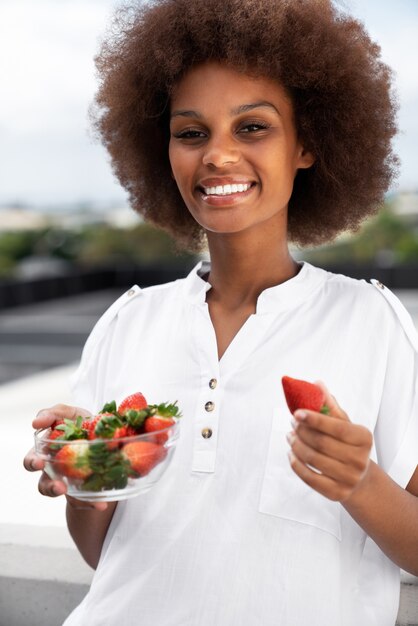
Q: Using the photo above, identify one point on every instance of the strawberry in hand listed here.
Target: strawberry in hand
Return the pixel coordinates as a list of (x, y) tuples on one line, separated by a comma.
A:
[(328, 452), (300, 394)]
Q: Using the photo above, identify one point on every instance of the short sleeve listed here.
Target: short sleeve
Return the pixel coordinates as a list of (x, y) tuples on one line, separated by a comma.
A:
[(396, 432)]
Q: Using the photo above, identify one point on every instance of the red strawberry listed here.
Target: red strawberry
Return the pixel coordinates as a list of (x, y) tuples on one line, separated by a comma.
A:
[(121, 432), (54, 434), (124, 431), (72, 460), (134, 402), (303, 395), (156, 423), (90, 424), (143, 456)]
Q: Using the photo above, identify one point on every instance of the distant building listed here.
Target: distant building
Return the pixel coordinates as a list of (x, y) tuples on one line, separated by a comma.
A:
[(69, 218), (19, 218), (405, 205)]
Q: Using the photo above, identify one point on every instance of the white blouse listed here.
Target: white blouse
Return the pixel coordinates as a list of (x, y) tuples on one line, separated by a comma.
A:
[(230, 536)]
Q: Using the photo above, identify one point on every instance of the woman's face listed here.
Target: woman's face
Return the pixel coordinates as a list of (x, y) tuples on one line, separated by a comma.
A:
[(233, 148)]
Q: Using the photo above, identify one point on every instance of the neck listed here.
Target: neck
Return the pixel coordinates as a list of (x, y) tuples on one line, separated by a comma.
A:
[(241, 269)]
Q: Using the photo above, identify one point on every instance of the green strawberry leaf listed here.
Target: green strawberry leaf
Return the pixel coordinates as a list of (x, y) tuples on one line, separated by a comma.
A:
[(166, 409), (109, 407), (72, 429), (116, 477), (107, 425), (135, 418), (110, 469), (93, 483), (99, 456)]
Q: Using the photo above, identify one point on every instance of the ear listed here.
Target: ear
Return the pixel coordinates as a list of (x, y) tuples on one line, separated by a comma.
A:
[(305, 160)]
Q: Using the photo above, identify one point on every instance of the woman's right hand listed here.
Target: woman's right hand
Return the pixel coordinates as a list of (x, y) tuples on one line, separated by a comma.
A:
[(33, 463)]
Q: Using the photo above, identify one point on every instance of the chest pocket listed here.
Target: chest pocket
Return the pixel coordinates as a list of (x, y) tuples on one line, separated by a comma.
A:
[(285, 495)]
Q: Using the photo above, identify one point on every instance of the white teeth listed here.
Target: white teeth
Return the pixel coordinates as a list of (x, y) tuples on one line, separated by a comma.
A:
[(225, 190)]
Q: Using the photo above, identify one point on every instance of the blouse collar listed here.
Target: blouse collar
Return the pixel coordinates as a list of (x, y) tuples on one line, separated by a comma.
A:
[(281, 297)]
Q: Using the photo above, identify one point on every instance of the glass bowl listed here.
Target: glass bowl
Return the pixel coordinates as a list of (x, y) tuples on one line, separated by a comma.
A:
[(108, 469)]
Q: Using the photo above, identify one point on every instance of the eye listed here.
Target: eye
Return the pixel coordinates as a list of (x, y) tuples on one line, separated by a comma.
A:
[(189, 133), (253, 127)]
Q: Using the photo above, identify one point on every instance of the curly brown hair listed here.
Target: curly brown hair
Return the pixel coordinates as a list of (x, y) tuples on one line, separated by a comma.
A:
[(345, 110)]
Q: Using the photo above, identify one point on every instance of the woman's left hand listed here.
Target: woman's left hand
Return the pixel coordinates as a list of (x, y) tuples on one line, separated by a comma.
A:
[(328, 452)]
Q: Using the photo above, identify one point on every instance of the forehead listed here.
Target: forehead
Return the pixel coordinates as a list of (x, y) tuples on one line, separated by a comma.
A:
[(215, 82)]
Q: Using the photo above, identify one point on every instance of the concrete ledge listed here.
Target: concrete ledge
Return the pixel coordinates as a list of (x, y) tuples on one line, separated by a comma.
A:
[(408, 606), (26, 602), (42, 576)]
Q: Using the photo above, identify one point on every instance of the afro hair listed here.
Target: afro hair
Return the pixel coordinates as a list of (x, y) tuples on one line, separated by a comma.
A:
[(344, 106)]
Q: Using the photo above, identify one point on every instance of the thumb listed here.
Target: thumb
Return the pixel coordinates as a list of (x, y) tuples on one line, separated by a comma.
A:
[(334, 408)]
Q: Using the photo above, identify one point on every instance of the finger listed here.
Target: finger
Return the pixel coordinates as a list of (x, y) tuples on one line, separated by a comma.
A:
[(352, 455), (331, 467), (85, 505), (353, 434), (49, 487), (32, 462), (324, 485), (46, 417), (334, 408)]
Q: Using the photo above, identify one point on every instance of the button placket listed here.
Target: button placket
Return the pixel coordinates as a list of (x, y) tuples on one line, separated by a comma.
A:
[(204, 455), (207, 407)]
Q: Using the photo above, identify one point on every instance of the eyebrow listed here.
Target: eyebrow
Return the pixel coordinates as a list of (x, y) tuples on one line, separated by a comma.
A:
[(242, 108)]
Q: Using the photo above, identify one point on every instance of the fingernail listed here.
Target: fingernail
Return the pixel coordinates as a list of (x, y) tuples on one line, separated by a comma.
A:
[(301, 415), (290, 438), (294, 423), (291, 457)]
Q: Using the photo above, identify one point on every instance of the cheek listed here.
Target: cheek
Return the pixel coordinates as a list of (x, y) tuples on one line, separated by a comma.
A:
[(181, 165)]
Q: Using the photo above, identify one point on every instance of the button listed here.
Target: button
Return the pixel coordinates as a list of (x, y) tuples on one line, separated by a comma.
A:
[(209, 406), (206, 433), (380, 285), (212, 383), (131, 292)]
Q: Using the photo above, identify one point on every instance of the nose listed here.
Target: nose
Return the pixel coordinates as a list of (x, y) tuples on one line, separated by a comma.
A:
[(220, 151)]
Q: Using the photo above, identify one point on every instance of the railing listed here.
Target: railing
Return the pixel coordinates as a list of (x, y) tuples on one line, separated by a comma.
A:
[(76, 281), (15, 292)]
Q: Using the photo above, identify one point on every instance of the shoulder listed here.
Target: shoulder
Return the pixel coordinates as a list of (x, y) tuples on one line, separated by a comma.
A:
[(137, 297), (374, 300), (135, 305)]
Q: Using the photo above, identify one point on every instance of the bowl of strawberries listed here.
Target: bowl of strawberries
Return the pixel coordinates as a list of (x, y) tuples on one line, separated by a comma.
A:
[(114, 455)]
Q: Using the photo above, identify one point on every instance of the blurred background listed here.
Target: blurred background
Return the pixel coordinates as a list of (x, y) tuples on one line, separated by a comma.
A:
[(70, 244)]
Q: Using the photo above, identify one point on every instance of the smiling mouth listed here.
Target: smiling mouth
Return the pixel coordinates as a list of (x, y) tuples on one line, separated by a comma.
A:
[(226, 190)]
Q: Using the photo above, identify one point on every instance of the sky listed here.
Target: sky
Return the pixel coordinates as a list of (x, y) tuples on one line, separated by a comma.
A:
[(47, 78)]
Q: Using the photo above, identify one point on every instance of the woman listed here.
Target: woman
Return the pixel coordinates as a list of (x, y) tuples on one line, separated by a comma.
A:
[(251, 124)]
